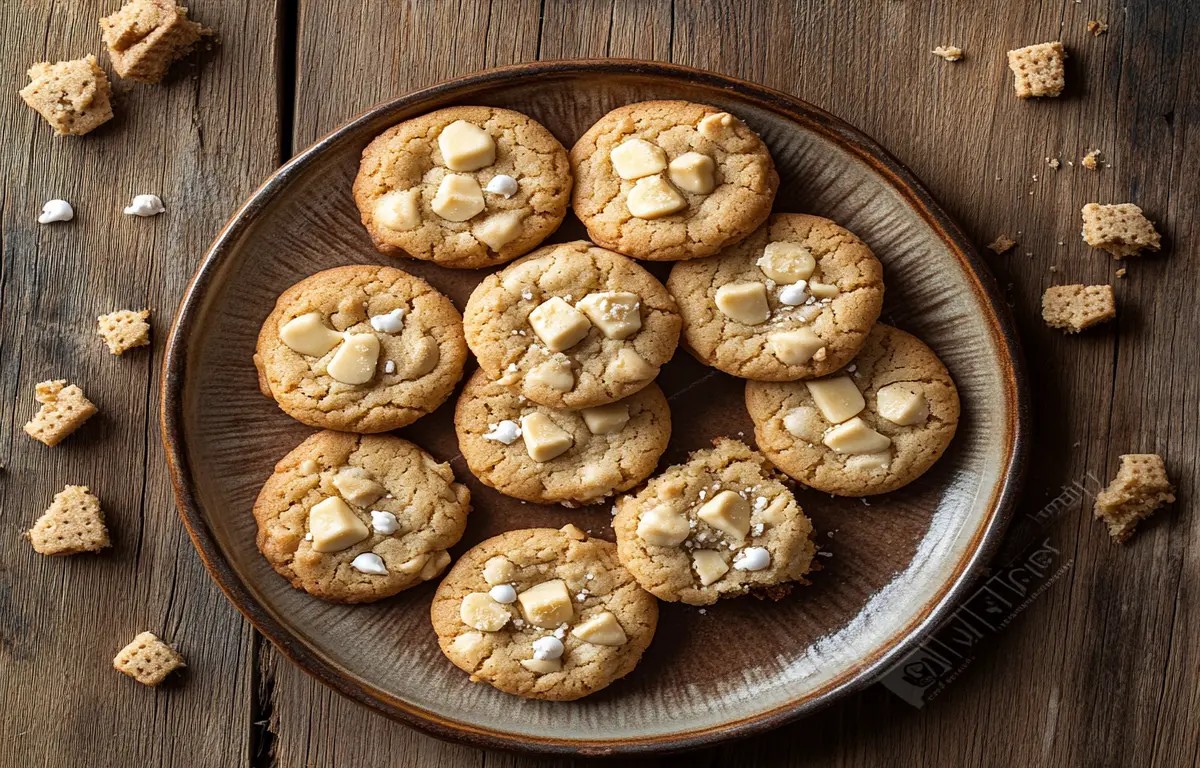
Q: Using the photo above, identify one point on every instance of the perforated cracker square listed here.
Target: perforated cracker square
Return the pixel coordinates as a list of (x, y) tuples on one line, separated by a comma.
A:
[(64, 409), (73, 96), (125, 329), (1038, 70), (1072, 308), (74, 523), (1140, 488), (144, 37), (1121, 229), (148, 659)]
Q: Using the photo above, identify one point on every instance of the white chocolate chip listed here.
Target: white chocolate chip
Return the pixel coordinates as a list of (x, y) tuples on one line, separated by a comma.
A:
[(601, 629), (310, 467), (547, 605), (794, 347), (693, 172), (803, 422), (384, 522), (823, 290), (559, 325), (616, 313), (709, 565), (502, 184), (856, 436), (606, 419), (398, 211), (636, 158), (795, 294), (466, 147), (479, 611), (504, 594), (548, 648), (458, 198), (355, 360), (56, 210), (435, 565), (389, 366), (729, 513), (369, 563), (308, 335), (542, 667), (786, 263), (752, 559), (715, 126), (391, 322), (499, 229), (870, 462), (425, 356), (145, 205), (744, 302), (902, 404), (653, 197), (507, 432), (498, 570), (628, 365), (663, 527), (553, 374), (356, 487), (837, 397), (334, 526), (544, 440)]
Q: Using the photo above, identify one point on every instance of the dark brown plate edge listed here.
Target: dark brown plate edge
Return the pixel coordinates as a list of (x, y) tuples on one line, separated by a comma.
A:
[(986, 542)]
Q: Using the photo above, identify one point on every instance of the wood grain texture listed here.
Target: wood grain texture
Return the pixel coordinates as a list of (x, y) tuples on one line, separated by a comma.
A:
[(1101, 670)]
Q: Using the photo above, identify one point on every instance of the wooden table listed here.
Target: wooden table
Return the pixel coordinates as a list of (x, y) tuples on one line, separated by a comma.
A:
[(1101, 669)]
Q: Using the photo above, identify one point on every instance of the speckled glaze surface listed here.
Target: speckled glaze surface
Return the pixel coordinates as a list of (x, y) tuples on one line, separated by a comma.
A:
[(895, 565)]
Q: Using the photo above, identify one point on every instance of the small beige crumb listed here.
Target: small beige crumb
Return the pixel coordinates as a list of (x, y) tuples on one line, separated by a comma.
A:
[(1097, 27), (1002, 244), (1072, 308), (1054, 163), (1053, 268), (73, 96), (148, 659), (1121, 272), (74, 523), (1091, 160), (144, 37), (1140, 488), (1122, 229), (64, 409), (124, 330), (1038, 70), (948, 52)]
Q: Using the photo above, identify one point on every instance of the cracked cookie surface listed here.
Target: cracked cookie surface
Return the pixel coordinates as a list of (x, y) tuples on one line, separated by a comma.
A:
[(741, 174), (420, 513), (418, 361), (792, 429), (405, 166), (720, 525), (630, 436), (596, 637), (776, 345), (595, 369)]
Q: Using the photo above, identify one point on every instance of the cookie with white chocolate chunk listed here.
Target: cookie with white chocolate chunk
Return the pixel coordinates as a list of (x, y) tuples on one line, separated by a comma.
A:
[(794, 300), (572, 325), (554, 456), (671, 180), (466, 187), (719, 525), (544, 614), (357, 518), (871, 428), (360, 348)]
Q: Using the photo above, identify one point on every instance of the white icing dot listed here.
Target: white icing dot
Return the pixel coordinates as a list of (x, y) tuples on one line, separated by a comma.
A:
[(502, 184), (505, 432), (547, 648), (145, 205), (752, 559), (389, 366), (795, 294), (503, 593), (384, 522), (392, 322), (369, 562), (56, 210)]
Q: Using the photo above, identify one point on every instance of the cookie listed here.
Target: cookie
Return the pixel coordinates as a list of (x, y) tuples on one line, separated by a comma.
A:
[(357, 518), (554, 456), (543, 614), (360, 349), (792, 301), (671, 180), (872, 428), (466, 187), (719, 525), (572, 325)]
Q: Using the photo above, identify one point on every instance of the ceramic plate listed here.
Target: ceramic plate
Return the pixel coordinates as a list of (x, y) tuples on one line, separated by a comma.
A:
[(896, 564)]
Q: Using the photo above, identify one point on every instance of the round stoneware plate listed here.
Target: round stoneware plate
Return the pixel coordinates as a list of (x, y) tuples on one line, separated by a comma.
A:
[(893, 566)]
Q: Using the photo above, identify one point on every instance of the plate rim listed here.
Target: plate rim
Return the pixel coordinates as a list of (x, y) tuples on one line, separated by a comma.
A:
[(1001, 325)]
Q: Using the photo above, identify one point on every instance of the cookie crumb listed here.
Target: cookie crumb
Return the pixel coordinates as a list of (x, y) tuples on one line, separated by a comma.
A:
[(948, 52), (1122, 229), (64, 409), (124, 330), (1121, 272), (1091, 160), (148, 659), (74, 523), (1140, 488), (144, 37), (73, 96), (1097, 27), (1002, 244), (1054, 163), (1072, 308), (1038, 70)]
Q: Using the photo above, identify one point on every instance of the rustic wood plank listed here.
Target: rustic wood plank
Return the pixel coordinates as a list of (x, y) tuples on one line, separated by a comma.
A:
[(198, 141)]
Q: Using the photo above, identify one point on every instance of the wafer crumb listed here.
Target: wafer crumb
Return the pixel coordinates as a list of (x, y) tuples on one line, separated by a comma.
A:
[(1121, 229), (72, 96), (1002, 244), (1092, 160), (64, 409), (1072, 308), (1140, 488), (1054, 163), (124, 330), (144, 37), (74, 523), (1038, 70), (1121, 272), (1097, 27), (948, 52), (148, 659)]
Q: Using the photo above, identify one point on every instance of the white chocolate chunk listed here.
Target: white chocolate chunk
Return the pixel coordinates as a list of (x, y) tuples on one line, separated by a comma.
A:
[(837, 397), (744, 302), (616, 313), (458, 197), (308, 335), (466, 147), (499, 229), (544, 440), (636, 158), (823, 290), (357, 487), (389, 322), (398, 211), (507, 432), (693, 172), (606, 419), (559, 325), (856, 436), (653, 197), (902, 404), (752, 559), (504, 594), (355, 360), (383, 522), (795, 294), (548, 648), (663, 527), (554, 374), (628, 365), (334, 526), (787, 263), (480, 611), (709, 565), (310, 467), (542, 666), (715, 126), (469, 644), (435, 565), (370, 563), (804, 422), (729, 513), (502, 184), (547, 605), (870, 462), (601, 629), (425, 356), (794, 347), (498, 570)]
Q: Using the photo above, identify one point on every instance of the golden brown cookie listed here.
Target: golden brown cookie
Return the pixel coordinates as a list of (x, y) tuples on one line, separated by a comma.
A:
[(671, 180), (719, 525), (357, 518), (572, 325), (872, 428), (792, 301), (543, 614), (554, 456), (465, 187), (360, 349)]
